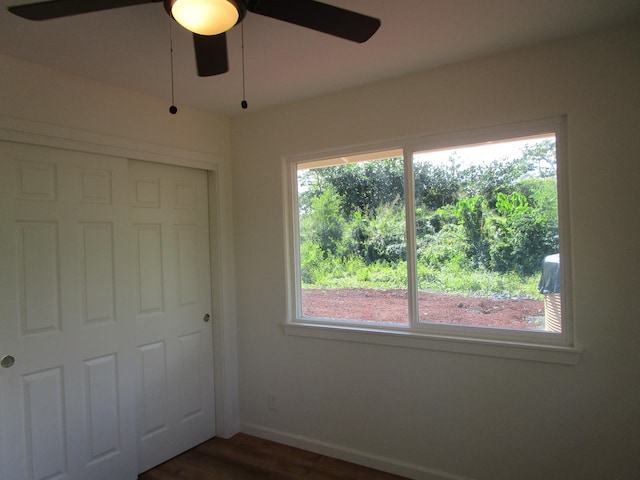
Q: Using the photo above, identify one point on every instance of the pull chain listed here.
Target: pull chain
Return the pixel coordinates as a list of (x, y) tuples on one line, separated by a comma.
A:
[(172, 109), (244, 99)]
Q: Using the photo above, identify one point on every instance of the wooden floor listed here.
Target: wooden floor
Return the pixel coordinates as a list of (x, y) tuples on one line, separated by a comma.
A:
[(245, 457)]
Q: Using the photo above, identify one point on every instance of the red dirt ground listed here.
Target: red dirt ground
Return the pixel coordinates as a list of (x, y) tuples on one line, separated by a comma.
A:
[(390, 306)]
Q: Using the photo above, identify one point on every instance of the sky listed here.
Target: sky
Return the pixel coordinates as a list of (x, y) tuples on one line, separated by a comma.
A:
[(477, 154)]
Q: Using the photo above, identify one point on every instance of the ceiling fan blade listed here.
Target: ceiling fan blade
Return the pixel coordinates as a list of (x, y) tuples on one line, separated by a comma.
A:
[(211, 54), (319, 16), (65, 8)]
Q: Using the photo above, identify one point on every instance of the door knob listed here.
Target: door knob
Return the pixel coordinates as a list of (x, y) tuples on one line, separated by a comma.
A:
[(7, 361), (206, 317)]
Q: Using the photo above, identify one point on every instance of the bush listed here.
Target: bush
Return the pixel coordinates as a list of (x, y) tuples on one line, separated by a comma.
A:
[(323, 224), (311, 262), (471, 214), (379, 235), (520, 236), (444, 248)]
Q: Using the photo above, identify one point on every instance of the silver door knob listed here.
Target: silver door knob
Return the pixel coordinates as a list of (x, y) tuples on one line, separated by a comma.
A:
[(206, 317), (7, 361)]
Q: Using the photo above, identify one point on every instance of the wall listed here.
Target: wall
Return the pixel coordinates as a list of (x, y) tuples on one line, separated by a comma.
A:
[(431, 414), (39, 94), (38, 104)]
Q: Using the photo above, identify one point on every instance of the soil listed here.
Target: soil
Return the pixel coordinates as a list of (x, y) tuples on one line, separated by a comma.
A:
[(391, 306)]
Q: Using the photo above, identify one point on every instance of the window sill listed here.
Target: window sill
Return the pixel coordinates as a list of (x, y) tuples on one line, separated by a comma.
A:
[(470, 346)]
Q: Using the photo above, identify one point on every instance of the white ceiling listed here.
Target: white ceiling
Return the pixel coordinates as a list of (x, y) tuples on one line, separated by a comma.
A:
[(129, 47)]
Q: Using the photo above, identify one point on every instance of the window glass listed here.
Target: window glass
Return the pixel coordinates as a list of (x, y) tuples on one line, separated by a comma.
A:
[(486, 223), (446, 236), (352, 248)]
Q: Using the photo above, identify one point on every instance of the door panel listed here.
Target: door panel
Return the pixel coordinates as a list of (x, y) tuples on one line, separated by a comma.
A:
[(38, 276), (44, 413), (96, 250), (170, 244), (67, 404), (101, 394)]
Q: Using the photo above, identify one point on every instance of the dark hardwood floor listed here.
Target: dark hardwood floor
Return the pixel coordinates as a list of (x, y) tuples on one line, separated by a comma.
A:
[(245, 457)]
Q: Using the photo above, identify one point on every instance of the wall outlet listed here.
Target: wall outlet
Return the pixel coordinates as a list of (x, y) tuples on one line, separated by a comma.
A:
[(272, 401)]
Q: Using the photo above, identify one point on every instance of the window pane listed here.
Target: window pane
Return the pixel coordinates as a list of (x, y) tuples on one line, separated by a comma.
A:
[(351, 239), (486, 220)]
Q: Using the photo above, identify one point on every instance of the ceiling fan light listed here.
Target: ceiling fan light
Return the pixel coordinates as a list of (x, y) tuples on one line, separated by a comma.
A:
[(205, 17)]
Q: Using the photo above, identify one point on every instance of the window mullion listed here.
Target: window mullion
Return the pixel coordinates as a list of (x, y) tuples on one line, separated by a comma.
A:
[(412, 274), (295, 295)]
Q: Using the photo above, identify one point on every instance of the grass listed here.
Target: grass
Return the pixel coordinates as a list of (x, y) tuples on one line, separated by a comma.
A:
[(354, 273)]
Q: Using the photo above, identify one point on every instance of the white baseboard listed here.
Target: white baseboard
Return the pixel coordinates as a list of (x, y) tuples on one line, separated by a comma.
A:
[(378, 462)]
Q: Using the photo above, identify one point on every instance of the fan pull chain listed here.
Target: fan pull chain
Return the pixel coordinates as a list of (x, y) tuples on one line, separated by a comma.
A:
[(172, 109), (244, 99)]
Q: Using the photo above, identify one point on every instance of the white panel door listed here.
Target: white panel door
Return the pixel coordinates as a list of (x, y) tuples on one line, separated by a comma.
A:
[(67, 402), (172, 298)]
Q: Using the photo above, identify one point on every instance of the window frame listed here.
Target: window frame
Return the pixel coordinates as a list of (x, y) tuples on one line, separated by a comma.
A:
[(528, 345)]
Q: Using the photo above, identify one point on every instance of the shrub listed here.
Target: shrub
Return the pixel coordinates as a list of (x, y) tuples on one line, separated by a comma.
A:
[(520, 236), (323, 224)]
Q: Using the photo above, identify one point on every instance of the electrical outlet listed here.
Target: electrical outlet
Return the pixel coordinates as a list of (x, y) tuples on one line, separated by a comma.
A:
[(272, 401)]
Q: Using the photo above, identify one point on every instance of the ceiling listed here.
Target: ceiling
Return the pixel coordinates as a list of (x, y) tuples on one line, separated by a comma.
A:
[(129, 47)]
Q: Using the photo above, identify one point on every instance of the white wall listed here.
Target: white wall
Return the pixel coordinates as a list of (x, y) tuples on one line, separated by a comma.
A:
[(419, 411), (39, 94)]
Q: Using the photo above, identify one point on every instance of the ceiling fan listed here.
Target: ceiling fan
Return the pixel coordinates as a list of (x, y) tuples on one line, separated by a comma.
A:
[(210, 19)]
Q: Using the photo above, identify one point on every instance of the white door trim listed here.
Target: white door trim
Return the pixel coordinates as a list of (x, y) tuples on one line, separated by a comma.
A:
[(223, 277), (44, 134)]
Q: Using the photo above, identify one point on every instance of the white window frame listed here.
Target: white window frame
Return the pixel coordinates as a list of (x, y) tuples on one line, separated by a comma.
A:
[(520, 344)]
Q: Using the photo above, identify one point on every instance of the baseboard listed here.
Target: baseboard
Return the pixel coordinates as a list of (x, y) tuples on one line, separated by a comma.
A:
[(384, 464)]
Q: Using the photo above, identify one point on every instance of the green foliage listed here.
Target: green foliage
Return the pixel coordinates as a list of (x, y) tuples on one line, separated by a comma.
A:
[(312, 262), (353, 272), (484, 228), (437, 185), (522, 236), (323, 224), (540, 158), (474, 282), (361, 186), (542, 193), (383, 234), (499, 176), (446, 248), (471, 214)]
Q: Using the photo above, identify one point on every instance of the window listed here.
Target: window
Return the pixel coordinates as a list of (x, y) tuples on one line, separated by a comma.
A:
[(454, 238)]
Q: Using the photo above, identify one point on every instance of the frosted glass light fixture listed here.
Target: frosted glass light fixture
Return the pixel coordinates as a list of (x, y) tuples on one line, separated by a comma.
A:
[(205, 17)]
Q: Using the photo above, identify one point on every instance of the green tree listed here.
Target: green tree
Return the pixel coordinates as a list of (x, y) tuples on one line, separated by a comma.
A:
[(521, 236), (362, 186), (437, 185), (323, 224), (471, 214), (499, 176), (385, 234), (540, 158)]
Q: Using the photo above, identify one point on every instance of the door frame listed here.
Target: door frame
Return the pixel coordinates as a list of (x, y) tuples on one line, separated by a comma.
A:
[(225, 350)]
